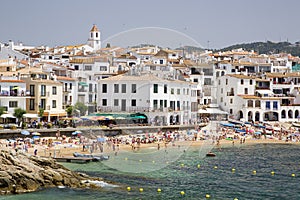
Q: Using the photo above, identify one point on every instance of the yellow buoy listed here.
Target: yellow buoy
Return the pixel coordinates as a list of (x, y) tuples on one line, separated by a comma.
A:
[(207, 196), (215, 167), (293, 175), (128, 188), (141, 189), (140, 160), (153, 161), (167, 162), (254, 172), (272, 173), (158, 190), (198, 165), (126, 158), (182, 193), (182, 165), (233, 170), (235, 199)]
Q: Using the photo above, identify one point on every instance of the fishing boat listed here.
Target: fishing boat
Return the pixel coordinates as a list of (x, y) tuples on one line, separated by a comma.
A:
[(210, 154)]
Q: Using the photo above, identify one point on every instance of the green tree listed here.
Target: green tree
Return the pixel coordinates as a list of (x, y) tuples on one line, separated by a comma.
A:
[(81, 107), (41, 112), (70, 110), (2, 110), (18, 113)]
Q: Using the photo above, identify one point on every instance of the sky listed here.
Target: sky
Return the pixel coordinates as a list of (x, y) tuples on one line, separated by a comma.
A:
[(205, 23)]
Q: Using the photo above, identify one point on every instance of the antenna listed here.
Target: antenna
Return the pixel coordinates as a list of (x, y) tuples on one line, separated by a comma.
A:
[(208, 44)]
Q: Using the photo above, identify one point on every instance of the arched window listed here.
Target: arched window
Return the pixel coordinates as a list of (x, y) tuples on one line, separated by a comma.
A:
[(222, 73), (283, 114), (257, 103), (290, 114), (241, 114), (297, 114), (250, 103), (250, 117)]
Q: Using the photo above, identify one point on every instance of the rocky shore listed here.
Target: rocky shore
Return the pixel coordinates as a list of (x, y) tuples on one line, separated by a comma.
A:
[(21, 173)]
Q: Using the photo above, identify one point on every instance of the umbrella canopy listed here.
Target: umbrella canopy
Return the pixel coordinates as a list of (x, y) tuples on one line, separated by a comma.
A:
[(35, 133), (16, 87), (76, 132), (35, 137), (25, 132)]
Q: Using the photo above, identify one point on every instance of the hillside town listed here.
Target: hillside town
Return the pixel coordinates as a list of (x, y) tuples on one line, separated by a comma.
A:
[(152, 85)]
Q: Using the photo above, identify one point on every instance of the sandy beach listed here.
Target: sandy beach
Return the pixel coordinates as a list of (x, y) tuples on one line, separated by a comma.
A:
[(66, 146)]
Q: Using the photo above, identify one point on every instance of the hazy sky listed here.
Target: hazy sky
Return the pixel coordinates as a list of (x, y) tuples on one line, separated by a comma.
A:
[(222, 23)]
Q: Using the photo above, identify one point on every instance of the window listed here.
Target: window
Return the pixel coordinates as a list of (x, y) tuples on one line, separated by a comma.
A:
[(31, 90), (161, 62), (133, 88), (31, 104), (268, 105), (246, 90), (251, 82), (96, 34), (123, 88), (226, 81), (95, 88), (53, 103), (187, 92), (116, 102), (275, 105), (90, 98), (221, 90), (165, 89), (76, 67), (43, 104), (195, 80), (54, 90), (133, 102), (104, 88), (88, 67), (43, 90), (178, 91), (242, 81), (231, 101), (155, 88), (155, 102), (219, 82), (90, 87), (165, 103), (70, 86), (103, 68), (116, 88), (104, 102), (13, 104), (172, 90), (90, 78)]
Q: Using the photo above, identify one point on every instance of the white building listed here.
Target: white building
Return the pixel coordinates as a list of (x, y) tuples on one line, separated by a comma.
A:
[(95, 38), (165, 102), (271, 97), (12, 95)]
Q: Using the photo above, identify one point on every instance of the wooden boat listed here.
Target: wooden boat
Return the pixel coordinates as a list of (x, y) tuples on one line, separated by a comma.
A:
[(296, 124), (210, 154)]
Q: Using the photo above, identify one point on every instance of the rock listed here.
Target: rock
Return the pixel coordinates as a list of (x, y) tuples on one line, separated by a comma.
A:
[(20, 173)]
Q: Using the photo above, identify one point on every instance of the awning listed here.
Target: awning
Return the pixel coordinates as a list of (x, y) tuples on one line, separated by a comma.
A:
[(30, 115), (264, 91), (212, 111), (7, 116), (84, 84)]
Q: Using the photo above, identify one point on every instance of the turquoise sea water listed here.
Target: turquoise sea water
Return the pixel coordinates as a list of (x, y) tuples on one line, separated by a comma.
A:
[(214, 177)]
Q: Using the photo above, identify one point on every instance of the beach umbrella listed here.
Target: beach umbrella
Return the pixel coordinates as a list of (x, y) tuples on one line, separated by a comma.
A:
[(35, 137), (35, 133), (76, 132), (25, 132)]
